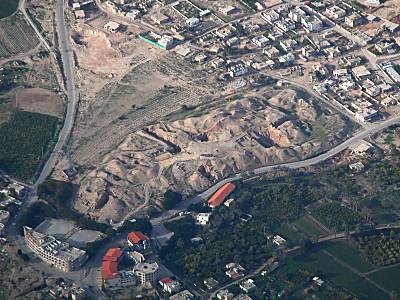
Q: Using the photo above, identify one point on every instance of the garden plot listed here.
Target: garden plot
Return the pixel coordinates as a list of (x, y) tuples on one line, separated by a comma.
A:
[(16, 36)]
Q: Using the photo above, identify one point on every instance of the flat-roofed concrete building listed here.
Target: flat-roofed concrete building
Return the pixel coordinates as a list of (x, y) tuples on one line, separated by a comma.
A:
[(54, 252), (4, 216), (112, 26), (147, 272), (159, 18)]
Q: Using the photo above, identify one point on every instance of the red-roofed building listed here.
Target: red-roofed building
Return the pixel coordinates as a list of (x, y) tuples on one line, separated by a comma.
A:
[(138, 238), (169, 285), (221, 195), (111, 276), (113, 254), (165, 280), (109, 270)]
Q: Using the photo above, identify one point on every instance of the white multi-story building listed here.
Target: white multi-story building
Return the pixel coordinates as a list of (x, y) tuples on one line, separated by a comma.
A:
[(270, 16), (297, 14), (260, 41), (166, 41), (203, 218), (312, 23), (54, 252), (4, 216), (285, 25), (238, 69), (335, 12), (146, 272)]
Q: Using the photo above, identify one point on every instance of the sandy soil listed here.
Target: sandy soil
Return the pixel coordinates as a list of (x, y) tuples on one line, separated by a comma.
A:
[(389, 9), (230, 138), (39, 101), (98, 55)]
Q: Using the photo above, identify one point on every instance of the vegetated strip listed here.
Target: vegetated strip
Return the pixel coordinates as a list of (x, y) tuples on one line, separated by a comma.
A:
[(24, 140)]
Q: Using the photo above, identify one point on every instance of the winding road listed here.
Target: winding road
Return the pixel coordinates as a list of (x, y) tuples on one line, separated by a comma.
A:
[(67, 67), (89, 273), (354, 140)]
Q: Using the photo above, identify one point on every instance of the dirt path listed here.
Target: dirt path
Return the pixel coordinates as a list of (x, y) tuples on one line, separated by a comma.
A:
[(317, 223), (382, 268), (357, 272)]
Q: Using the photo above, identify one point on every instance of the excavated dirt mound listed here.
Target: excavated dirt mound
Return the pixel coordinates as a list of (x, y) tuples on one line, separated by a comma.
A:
[(191, 154), (96, 53)]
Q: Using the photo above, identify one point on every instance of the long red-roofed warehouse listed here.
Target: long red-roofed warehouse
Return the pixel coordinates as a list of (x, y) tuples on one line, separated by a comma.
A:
[(221, 195)]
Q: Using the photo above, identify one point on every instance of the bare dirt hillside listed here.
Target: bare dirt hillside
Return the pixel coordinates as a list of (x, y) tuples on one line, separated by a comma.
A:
[(191, 153)]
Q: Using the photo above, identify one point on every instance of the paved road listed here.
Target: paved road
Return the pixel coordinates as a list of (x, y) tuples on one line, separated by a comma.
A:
[(64, 134), (72, 96), (354, 140), (331, 102)]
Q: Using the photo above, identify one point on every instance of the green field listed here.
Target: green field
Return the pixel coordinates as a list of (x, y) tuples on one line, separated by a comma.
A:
[(337, 217), (321, 264), (288, 233), (350, 255), (388, 278), (8, 7), (24, 140), (384, 206), (309, 228)]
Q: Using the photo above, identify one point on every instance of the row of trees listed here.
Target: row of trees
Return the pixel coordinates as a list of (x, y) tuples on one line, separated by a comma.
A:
[(24, 140), (59, 194), (382, 249), (230, 239), (337, 217)]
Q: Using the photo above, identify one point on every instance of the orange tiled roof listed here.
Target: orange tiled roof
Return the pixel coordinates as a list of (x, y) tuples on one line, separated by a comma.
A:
[(109, 270), (221, 194), (109, 267), (136, 237), (113, 254)]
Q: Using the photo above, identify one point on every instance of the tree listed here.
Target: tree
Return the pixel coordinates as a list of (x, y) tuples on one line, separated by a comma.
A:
[(139, 224), (307, 244), (110, 232), (171, 199)]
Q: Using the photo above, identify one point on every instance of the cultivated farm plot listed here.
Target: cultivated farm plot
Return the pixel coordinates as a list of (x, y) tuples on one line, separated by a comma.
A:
[(16, 36), (338, 263), (388, 278), (350, 255), (8, 7), (309, 228), (24, 140)]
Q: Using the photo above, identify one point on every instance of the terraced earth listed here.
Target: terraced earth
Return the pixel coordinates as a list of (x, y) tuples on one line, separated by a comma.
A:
[(16, 36)]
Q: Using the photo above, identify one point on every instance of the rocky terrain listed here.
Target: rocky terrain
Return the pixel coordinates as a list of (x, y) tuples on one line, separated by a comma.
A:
[(191, 153)]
